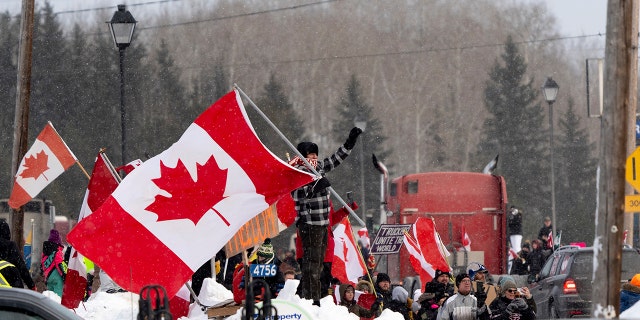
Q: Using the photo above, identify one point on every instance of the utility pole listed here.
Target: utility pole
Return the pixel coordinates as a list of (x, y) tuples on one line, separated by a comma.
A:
[(620, 79), (21, 121)]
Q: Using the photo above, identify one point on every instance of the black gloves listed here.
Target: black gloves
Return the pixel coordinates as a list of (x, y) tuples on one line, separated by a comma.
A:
[(353, 137), (517, 304), (318, 186)]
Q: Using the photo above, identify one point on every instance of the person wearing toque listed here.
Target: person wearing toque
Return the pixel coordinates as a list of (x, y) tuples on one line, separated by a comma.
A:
[(510, 306), (312, 207), (463, 305)]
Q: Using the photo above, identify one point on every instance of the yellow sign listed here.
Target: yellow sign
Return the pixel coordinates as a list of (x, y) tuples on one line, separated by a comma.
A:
[(632, 171), (632, 203)]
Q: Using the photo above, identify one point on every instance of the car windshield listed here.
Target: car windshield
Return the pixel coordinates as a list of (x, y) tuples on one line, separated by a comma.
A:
[(583, 264)]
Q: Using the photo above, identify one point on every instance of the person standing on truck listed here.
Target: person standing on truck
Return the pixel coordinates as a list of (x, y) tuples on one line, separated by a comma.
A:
[(520, 264), (9, 252), (462, 305), (312, 206), (543, 234), (536, 260)]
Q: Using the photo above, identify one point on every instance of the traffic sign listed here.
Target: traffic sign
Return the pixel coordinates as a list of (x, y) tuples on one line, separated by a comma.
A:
[(632, 203), (632, 171)]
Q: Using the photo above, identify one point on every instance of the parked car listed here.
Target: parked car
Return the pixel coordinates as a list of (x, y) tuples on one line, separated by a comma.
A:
[(564, 287), (25, 304)]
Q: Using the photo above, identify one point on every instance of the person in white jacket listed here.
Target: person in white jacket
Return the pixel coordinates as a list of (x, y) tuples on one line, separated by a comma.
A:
[(463, 305)]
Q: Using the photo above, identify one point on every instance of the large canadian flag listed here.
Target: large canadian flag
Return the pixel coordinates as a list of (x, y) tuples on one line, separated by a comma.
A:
[(173, 213), (347, 264), (424, 269), (424, 231), (102, 183), (47, 158)]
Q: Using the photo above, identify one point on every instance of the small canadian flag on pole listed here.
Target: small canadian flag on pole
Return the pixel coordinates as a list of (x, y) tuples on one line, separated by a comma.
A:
[(466, 241), (47, 158)]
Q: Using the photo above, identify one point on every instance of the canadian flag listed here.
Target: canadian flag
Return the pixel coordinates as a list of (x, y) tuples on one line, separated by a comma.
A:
[(130, 166), (434, 252), (466, 241), (550, 239), (347, 264), (363, 233), (424, 269), (101, 184), (47, 158), (179, 304), (201, 190)]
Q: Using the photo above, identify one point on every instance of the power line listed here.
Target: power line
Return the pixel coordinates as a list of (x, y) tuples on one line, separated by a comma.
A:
[(112, 7), (409, 52)]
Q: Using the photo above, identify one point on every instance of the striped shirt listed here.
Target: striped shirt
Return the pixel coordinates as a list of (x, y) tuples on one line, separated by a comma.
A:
[(314, 208)]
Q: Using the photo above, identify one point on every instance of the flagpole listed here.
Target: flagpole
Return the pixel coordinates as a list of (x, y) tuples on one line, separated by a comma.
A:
[(110, 165), (284, 138)]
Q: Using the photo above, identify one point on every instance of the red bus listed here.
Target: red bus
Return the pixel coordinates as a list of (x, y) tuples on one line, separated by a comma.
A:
[(475, 202)]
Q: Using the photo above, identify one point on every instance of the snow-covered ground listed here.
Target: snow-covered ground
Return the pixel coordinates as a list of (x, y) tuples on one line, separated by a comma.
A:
[(124, 305), (105, 306)]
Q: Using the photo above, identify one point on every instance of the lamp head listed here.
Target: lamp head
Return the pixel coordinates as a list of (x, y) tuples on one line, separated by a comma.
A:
[(122, 25), (550, 90)]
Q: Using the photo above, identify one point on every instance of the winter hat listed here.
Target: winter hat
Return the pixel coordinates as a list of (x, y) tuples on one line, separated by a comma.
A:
[(306, 147), (265, 250), (440, 272), (475, 267), (461, 277), (507, 285), (5, 231), (636, 280), (382, 277), (399, 294), (54, 236)]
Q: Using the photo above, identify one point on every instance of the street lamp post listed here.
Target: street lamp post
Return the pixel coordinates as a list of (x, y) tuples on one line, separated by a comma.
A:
[(122, 25), (362, 124), (550, 91)]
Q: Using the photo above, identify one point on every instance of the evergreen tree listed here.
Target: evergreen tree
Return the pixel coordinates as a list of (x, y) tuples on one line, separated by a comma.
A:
[(208, 87), (515, 129), (576, 179), (351, 107), (168, 103), (273, 102), (140, 101)]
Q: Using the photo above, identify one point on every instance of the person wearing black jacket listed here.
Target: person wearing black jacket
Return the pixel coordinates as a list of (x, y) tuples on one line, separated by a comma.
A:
[(510, 306), (9, 252)]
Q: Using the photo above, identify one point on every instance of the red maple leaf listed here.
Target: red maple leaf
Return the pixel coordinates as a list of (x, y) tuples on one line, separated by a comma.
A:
[(189, 199), (35, 165)]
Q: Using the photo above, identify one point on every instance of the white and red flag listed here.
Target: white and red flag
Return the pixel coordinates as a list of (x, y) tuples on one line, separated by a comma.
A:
[(550, 240), (129, 166), (466, 241), (179, 208), (347, 264), (424, 269), (434, 252), (47, 158), (102, 183)]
